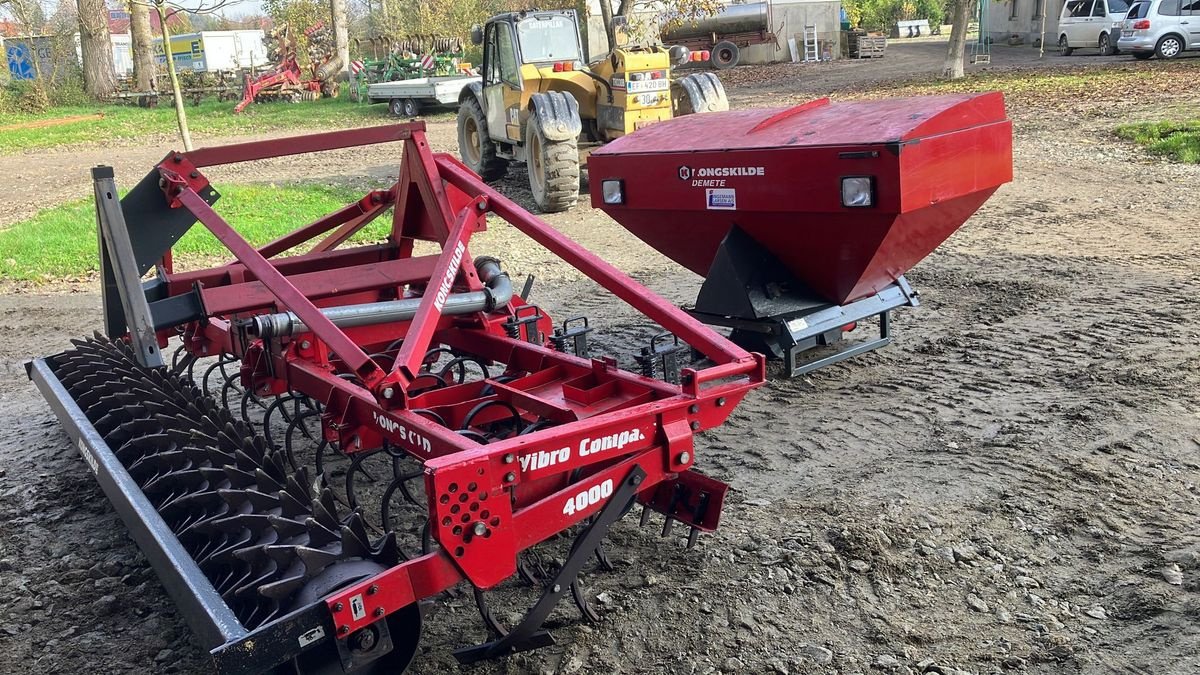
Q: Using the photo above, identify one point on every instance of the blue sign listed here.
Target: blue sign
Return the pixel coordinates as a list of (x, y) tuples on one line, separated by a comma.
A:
[(20, 60)]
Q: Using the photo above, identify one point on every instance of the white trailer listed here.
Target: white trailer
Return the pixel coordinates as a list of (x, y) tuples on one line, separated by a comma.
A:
[(214, 51), (407, 97)]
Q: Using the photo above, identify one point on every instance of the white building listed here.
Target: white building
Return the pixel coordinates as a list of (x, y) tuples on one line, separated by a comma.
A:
[(1020, 21)]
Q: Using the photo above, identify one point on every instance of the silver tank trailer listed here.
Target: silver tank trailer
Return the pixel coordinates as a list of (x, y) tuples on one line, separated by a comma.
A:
[(748, 18)]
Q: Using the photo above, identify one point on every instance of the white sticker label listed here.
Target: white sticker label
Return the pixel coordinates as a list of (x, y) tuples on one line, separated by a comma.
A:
[(311, 636), (797, 325), (88, 456), (724, 199), (357, 609), (639, 86)]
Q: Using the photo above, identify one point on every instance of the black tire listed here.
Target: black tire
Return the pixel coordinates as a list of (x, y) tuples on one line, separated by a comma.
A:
[(1105, 45), (404, 107), (1064, 48), (724, 55), (1142, 56), (1169, 46), (553, 168), (475, 147), (698, 93)]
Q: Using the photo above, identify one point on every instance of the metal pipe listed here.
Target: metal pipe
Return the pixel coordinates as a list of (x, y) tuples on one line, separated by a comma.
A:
[(497, 291)]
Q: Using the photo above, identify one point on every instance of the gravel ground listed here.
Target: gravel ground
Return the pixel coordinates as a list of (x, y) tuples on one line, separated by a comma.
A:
[(1010, 487)]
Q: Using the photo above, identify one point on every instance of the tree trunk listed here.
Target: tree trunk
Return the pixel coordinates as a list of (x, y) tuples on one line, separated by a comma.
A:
[(341, 38), (606, 15), (143, 46), (953, 67), (99, 76)]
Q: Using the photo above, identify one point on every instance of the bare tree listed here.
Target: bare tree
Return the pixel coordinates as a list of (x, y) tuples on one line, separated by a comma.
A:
[(953, 66), (143, 49), (99, 75), (341, 39)]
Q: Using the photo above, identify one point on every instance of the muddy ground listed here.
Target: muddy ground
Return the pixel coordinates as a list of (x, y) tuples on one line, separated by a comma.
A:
[(1012, 486)]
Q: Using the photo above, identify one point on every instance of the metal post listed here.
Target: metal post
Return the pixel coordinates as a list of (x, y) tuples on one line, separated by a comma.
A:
[(114, 235)]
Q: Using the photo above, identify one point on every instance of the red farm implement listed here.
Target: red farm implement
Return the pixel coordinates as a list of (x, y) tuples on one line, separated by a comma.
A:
[(804, 220), (239, 462)]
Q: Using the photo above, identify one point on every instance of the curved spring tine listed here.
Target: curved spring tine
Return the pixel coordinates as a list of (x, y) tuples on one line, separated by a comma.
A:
[(585, 608), (461, 362), (493, 624), (176, 356), (247, 397), (222, 361), (288, 444), (280, 404), (230, 384), (602, 559), (431, 358), (356, 461)]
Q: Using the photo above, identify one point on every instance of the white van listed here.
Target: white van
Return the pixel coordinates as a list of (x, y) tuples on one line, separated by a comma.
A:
[(1091, 24)]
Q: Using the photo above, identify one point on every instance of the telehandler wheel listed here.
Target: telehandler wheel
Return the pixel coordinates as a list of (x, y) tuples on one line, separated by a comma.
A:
[(698, 93), (553, 169), (475, 148)]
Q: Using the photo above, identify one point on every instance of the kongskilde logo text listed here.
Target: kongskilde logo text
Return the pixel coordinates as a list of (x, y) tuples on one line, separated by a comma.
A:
[(448, 280)]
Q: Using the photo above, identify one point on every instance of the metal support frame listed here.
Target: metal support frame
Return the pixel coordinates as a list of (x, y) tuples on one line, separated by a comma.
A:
[(749, 290), (120, 261), (648, 424)]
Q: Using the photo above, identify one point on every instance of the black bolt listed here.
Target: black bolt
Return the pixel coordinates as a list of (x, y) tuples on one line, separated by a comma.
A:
[(194, 174), (364, 640), (636, 480), (337, 606), (373, 589), (694, 409), (378, 611), (721, 402), (178, 158), (695, 425), (344, 629)]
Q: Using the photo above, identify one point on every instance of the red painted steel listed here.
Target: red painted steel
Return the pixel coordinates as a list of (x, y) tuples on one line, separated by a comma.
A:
[(518, 490), (776, 174)]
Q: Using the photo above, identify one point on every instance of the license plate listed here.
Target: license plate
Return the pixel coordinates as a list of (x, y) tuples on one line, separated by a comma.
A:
[(1126, 33), (646, 85)]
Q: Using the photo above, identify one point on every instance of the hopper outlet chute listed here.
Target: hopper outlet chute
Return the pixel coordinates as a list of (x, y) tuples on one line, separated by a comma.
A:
[(844, 197)]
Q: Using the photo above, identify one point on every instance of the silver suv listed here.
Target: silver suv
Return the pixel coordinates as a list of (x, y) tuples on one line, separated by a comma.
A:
[(1162, 28)]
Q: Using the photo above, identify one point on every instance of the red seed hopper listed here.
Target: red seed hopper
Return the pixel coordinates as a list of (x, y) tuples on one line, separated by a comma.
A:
[(803, 220)]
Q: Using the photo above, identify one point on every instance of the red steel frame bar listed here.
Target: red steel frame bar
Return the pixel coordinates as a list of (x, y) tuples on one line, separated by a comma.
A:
[(275, 281), (613, 280)]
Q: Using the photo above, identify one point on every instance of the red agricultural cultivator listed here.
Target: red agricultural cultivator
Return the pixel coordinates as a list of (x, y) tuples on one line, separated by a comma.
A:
[(346, 433)]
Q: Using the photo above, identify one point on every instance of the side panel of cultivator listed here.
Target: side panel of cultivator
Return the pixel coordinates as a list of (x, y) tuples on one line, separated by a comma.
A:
[(345, 433)]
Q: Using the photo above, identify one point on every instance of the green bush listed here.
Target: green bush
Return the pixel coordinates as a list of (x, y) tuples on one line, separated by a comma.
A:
[(27, 96)]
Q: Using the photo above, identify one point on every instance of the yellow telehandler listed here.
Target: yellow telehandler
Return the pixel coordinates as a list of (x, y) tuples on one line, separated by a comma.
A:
[(539, 103)]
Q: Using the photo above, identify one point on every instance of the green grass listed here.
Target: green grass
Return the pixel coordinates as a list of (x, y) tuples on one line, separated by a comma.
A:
[(1178, 140), (60, 242), (210, 118)]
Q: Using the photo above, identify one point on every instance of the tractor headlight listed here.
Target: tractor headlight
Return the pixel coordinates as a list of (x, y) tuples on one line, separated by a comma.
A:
[(614, 191), (858, 191)]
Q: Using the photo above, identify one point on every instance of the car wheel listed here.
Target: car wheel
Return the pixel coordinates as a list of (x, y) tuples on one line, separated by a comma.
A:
[(1142, 56), (1064, 49), (1169, 47), (1106, 45), (412, 107)]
